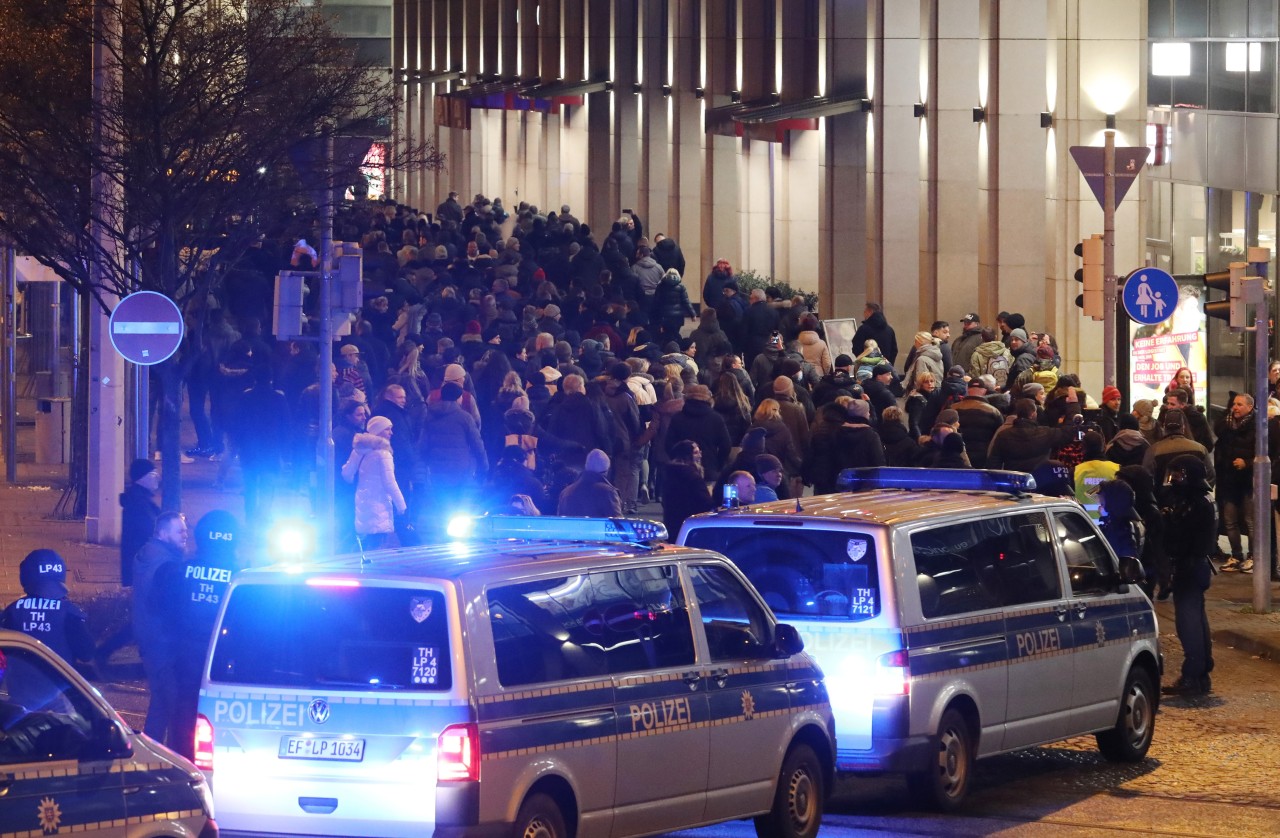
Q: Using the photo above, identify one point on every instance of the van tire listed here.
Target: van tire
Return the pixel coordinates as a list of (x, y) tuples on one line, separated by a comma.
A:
[(1135, 725), (799, 798), (540, 817), (944, 785)]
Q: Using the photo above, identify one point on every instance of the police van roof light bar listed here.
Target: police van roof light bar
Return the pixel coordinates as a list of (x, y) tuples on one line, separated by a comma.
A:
[(973, 480), (555, 528)]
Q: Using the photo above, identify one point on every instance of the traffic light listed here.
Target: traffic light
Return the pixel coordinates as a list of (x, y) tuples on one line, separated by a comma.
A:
[(1231, 309), (1090, 275)]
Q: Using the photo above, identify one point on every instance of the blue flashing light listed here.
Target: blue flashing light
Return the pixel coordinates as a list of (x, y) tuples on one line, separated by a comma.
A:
[(556, 528), (292, 539), (972, 480)]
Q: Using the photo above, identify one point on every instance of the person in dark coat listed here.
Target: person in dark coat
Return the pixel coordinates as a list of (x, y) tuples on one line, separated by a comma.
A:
[(451, 456), (684, 488), (1127, 446), (591, 495), (1191, 535), (758, 322), (699, 422), (1233, 464), (1024, 445), (841, 439), (511, 477), (261, 433), (713, 286), (875, 327), (138, 514), (900, 447), (153, 625), (879, 389), (670, 306), (577, 422), (979, 421), (667, 253)]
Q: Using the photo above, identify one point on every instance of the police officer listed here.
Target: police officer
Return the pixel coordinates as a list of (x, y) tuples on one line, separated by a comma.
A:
[(44, 612), (192, 592), (152, 624), (1191, 534)]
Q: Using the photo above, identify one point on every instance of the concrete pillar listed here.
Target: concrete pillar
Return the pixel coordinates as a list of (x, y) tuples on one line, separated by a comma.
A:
[(106, 431)]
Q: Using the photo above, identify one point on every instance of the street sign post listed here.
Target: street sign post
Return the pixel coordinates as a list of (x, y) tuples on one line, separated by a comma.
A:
[(146, 328), (1150, 296)]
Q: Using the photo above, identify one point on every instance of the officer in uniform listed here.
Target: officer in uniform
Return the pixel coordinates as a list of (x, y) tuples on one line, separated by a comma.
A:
[(193, 591), (1191, 534), (44, 612)]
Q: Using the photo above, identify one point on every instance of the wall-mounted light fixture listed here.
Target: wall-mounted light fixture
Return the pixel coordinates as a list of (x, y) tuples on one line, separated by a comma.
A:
[(666, 90), (699, 92), (867, 105), (1111, 120), (979, 114), (735, 96), (919, 109), (1046, 119), (637, 87)]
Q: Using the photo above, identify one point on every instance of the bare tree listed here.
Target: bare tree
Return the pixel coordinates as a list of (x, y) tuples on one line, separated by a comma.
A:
[(214, 95)]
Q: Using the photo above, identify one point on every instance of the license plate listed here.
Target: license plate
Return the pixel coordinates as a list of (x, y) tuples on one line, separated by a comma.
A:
[(322, 747)]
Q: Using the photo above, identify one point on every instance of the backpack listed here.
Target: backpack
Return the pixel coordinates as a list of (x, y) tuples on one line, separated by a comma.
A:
[(998, 368), (1046, 376)]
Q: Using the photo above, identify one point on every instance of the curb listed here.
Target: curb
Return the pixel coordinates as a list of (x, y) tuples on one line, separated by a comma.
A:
[(1263, 649)]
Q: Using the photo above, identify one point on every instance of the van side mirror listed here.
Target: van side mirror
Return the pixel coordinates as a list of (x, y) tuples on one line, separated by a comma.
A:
[(1131, 571), (108, 740), (787, 641)]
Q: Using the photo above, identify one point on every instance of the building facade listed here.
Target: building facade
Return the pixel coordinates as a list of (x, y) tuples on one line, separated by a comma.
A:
[(910, 152)]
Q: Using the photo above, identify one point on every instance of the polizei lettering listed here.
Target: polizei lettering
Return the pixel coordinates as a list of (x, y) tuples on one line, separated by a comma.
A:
[(208, 574), (654, 715), (259, 713), (1038, 642)]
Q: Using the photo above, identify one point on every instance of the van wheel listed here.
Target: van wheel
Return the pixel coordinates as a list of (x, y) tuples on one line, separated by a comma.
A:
[(540, 817), (798, 801), (1135, 727), (945, 783)]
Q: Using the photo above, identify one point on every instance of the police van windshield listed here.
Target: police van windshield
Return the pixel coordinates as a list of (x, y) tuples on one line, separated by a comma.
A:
[(322, 637), (819, 574)]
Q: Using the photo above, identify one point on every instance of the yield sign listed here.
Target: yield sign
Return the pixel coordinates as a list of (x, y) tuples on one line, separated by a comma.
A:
[(1091, 160), (146, 328)]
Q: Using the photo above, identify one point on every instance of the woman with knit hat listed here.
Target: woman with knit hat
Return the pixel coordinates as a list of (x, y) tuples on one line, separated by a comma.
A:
[(378, 496)]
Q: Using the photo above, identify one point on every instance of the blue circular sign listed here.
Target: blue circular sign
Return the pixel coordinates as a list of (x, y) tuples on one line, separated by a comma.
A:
[(1150, 295), (146, 328)]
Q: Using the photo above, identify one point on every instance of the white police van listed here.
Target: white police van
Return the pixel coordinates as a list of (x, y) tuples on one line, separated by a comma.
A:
[(956, 616), (597, 687), (69, 764)]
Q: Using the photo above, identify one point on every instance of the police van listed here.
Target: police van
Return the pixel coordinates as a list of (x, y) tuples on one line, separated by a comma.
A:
[(956, 616), (537, 676), (69, 764)]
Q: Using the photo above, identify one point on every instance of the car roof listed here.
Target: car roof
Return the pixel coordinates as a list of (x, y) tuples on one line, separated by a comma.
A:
[(883, 507), (460, 559)]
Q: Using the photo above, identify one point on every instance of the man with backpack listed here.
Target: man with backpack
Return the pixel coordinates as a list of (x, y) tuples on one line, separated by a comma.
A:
[(992, 358)]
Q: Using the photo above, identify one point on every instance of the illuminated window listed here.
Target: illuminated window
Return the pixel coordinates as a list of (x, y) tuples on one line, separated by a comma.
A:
[(1171, 59)]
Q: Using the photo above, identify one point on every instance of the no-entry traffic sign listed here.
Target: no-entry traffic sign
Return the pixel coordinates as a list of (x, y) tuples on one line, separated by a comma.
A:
[(146, 328)]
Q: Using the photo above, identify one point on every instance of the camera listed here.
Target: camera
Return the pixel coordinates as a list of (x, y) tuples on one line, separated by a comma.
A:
[(730, 494)]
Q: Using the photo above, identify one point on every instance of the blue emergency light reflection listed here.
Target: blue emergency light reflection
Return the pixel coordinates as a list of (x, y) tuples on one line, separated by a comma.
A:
[(973, 480), (533, 528), (292, 539), (461, 526)]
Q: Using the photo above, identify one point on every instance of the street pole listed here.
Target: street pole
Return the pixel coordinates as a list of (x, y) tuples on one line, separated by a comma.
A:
[(1109, 296), (1260, 538), (106, 402), (325, 530), (10, 365)]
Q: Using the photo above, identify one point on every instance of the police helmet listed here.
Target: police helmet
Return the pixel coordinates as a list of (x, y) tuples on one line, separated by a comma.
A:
[(217, 531), (43, 573)]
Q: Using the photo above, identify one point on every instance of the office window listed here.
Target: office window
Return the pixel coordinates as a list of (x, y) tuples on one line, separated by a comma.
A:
[(1159, 19), (1262, 19), (1229, 18), (1190, 18)]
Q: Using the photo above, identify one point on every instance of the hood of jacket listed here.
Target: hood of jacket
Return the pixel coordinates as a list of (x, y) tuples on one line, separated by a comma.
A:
[(438, 409), (876, 320), (991, 347), (1129, 439), (370, 442), (647, 262), (808, 338), (696, 408)]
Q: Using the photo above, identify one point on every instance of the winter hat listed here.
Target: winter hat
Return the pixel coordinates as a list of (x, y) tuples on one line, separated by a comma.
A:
[(450, 392), (597, 461), (881, 369), (1044, 352), (783, 386), (43, 573), (753, 441), (766, 463), (698, 393), (859, 409), (552, 310), (1029, 390), (843, 361), (620, 371), (349, 349), (989, 381), (473, 327), (956, 372), (377, 425), (139, 469), (1018, 334), (1016, 321), (455, 373), (1110, 392), (947, 417)]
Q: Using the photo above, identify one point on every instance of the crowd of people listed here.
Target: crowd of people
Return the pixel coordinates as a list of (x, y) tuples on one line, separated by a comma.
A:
[(524, 363)]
